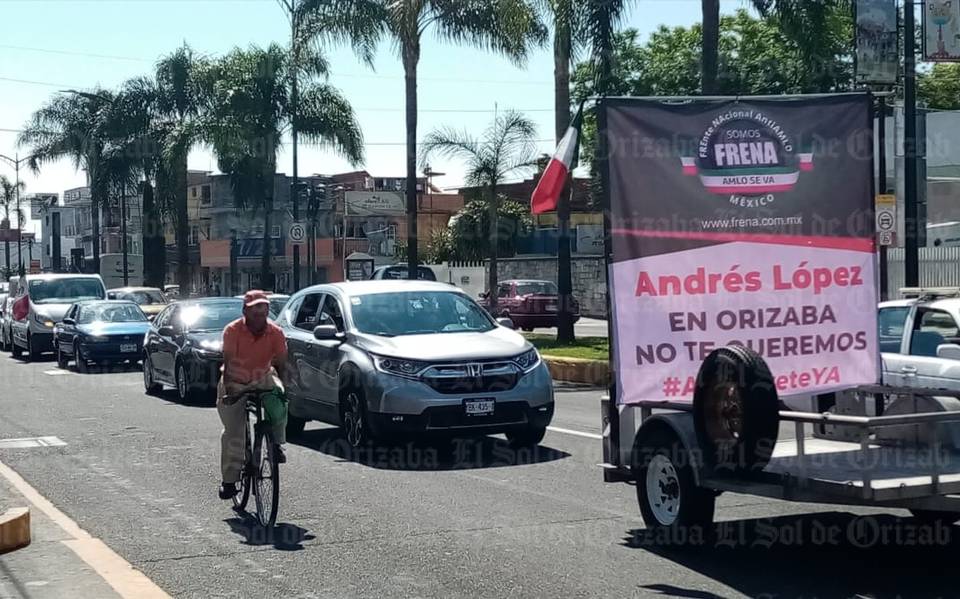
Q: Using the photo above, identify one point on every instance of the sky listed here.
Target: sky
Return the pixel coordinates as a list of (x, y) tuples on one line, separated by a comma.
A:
[(52, 45)]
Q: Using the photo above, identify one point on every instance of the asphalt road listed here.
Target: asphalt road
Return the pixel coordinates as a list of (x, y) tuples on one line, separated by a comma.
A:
[(141, 474)]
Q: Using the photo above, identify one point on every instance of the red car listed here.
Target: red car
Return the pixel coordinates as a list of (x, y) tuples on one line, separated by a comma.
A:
[(529, 304)]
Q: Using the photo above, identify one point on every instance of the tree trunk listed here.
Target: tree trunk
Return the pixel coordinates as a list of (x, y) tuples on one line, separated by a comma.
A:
[(154, 250), (266, 280), (182, 224), (561, 75), (411, 57), (492, 275), (96, 200), (711, 44)]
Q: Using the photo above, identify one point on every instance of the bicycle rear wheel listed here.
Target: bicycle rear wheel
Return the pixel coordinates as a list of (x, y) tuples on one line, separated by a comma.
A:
[(246, 474), (266, 478)]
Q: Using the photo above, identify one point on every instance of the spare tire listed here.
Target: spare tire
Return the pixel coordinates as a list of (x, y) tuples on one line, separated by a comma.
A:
[(736, 410)]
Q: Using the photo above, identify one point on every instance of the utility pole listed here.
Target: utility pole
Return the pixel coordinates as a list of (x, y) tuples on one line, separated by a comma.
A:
[(911, 222), (882, 182), (123, 231), (16, 161), (294, 99)]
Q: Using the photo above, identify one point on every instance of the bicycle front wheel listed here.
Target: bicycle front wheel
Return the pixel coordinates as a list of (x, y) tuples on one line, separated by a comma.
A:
[(246, 474), (266, 479)]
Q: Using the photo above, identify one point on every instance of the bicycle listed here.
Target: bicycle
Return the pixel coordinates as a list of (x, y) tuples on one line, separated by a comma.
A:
[(261, 472)]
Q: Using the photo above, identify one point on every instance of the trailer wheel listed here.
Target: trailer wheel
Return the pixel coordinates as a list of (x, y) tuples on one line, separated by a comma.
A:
[(936, 517), (736, 410), (674, 509)]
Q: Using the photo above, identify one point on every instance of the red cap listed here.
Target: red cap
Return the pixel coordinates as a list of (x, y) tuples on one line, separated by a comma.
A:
[(254, 297)]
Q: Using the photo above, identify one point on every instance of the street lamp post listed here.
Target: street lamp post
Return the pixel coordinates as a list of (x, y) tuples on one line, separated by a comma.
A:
[(15, 162), (429, 173)]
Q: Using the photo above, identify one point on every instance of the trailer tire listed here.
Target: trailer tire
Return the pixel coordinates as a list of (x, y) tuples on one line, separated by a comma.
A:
[(675, 510), (936, 517), (736, 410)]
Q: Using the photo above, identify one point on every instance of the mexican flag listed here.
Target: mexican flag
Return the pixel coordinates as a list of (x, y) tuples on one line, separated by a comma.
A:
[(547, 194)]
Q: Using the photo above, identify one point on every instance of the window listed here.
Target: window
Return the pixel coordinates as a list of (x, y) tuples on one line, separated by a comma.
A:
[(164, 317), (503, 291), (194, 235), (193, 192), (111, 313), (891, 322), (536, 288), (205, 197), (931, 329), (332, 314), (274, 231), (418, 313), (307, 315)]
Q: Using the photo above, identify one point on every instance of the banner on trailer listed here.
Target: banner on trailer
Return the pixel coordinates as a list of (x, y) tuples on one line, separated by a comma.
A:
[(877, 55), (742, 221)]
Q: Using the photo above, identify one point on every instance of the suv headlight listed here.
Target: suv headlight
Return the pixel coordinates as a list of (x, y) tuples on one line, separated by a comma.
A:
[(410, 369), (43, 321), (527, 361), (209, 349)]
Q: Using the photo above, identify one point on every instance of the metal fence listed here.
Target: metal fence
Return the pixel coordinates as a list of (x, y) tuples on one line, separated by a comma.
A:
[(939, 267)]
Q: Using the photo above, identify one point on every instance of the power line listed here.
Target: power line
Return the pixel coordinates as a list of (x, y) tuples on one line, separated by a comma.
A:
[(332, 73)]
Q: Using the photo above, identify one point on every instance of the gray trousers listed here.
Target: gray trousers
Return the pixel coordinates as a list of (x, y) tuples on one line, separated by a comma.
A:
[(232, 453)]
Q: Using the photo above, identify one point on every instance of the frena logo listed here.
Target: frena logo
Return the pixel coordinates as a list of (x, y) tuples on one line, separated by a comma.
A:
[(747, 155)]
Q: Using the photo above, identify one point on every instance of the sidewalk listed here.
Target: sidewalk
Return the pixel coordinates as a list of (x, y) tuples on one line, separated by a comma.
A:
[(47, 568)]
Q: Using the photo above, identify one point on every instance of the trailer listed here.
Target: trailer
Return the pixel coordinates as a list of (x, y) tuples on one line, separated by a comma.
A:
[(741, 277)]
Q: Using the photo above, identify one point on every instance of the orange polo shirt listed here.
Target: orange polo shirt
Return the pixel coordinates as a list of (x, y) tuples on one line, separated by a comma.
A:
[(248, 357)]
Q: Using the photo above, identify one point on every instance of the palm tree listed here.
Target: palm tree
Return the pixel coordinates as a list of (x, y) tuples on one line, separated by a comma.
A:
[(72, 126), (180, 102), (505, 26), (250, 110), (504, 150), (135, 155), (812, 25), (8, 201), (710, 30)]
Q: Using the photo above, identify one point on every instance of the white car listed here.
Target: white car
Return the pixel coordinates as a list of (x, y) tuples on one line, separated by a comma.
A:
[(920, 339)]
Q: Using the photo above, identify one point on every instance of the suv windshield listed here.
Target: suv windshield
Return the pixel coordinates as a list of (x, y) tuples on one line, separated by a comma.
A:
[(277, 304), (65, 291), (146, 297), (418, 313), (536, 288), (210, 316), (111, 313), (400, 272)]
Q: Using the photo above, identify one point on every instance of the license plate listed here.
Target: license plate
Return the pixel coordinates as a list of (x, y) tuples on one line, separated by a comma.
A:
[(128, 348), (479, 407), (551, 308)]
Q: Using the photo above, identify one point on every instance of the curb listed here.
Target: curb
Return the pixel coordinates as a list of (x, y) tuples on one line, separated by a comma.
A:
[(577, 370), (14, 529)]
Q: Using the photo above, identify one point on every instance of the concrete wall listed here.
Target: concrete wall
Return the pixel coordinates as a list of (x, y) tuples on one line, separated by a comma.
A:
[(589, 278)]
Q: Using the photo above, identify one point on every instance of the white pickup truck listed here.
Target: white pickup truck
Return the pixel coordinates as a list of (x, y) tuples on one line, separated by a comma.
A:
[(920, 339)]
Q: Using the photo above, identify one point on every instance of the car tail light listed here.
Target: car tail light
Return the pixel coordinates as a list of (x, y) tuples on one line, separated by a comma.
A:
[(21, 308)]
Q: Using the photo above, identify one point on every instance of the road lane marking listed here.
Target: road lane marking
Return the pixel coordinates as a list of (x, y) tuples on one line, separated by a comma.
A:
[(31, 442), (567, 431), (117, 572), (56, 372)]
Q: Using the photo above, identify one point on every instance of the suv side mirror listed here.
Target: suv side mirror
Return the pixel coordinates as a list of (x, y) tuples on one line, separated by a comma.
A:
[(484, 295), (166, 331), (948, 351), (69, 321), (506, 323), (326, 332)]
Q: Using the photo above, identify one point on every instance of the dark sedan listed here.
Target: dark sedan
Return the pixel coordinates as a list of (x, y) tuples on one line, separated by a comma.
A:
[(184, 347), (100, 332)]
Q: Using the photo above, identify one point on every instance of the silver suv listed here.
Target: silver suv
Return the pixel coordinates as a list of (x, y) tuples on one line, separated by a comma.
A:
[(40, 303), (397, 358)]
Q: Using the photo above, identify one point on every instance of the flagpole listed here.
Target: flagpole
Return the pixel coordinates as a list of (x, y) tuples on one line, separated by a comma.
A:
[(565, 329)]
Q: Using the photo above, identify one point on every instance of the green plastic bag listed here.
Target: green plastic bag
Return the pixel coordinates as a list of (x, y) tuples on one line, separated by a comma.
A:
[(275, 407)]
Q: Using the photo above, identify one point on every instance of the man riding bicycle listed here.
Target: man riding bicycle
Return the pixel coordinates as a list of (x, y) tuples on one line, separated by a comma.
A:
[(254, 360)]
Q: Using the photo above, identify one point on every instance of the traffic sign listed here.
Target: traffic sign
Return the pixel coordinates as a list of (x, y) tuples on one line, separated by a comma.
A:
[(887, 238), (886, 211), (297, 234)]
